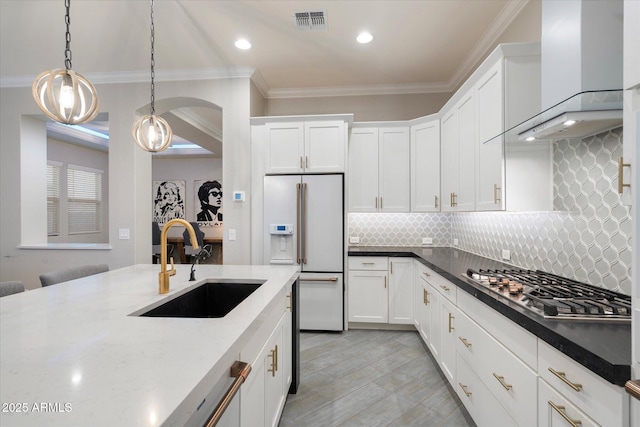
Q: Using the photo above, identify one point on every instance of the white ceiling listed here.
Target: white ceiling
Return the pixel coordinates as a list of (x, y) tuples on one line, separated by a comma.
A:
[(419, 46)]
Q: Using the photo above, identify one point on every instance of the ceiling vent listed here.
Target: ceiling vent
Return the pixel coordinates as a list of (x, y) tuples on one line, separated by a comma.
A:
[(310, 20)]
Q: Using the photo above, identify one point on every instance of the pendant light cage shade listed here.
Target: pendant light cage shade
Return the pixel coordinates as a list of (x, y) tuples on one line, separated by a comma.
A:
[(66, 96), (152, 133)]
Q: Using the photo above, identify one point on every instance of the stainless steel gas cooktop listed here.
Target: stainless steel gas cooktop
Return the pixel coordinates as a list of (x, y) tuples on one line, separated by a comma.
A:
[(555, 297)]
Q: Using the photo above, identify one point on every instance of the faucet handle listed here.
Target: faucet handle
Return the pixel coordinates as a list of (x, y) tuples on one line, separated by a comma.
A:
[(172, 270)]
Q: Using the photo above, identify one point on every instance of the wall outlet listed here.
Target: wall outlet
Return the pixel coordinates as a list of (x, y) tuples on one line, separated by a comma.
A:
[(232, 234), (506, 254), (354, 240), (123, 233), (455, 242), (427, 241)]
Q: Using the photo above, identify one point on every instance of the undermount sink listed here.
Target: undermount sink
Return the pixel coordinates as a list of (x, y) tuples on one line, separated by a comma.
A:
[(210, 299)]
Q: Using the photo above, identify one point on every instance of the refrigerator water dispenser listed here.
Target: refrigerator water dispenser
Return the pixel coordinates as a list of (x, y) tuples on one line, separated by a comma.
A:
[(281, 243)]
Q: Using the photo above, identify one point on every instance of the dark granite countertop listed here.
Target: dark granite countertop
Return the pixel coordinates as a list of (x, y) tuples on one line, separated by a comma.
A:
[(604, 348)]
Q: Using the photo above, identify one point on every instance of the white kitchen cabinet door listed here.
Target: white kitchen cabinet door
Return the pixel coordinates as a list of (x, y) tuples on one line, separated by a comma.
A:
[(401, 275), (394, 171), (448, 313), (368, 296), (458, 143), (363, 170), (434, 321), (274, 376), (285, 147), (425, 167), (467, 141), (554, 410), (324, 146), (449, 147), (490, 170)]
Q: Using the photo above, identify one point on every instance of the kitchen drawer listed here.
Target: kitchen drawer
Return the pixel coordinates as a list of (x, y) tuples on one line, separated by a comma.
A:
[(443, 286), (368, 263), (606, 403), (481, 404), (511, 381), (520, 342), (554, 407)]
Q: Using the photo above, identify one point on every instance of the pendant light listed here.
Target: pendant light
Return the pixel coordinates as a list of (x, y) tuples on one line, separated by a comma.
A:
[(64, 95), (152, 133)]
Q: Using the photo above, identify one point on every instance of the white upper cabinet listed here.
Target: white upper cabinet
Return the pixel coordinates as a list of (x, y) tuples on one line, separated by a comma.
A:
[(305, 146), (458, 142), (379, 176), (425, 166), (490, 171)]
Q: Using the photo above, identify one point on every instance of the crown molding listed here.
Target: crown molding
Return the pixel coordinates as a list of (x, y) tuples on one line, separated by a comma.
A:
[(508, 13), (323, 92), (186, 74)]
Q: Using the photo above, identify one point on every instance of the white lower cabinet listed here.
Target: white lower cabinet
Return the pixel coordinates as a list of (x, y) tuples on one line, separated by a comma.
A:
[(449, 316), (380, 290), (605, 403), (263, 394), (555, 410), (481, 404)]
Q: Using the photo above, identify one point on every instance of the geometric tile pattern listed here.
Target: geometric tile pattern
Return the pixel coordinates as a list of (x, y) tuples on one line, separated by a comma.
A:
[(587, 237), (400, 229)]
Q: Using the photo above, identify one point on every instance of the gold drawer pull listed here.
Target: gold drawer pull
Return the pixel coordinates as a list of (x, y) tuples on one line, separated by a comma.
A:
[(501, 380), (451, 317), (621, 165), (464, 388), (273, 354), (465, 342), (496, 194), (561, 410), (446, 289), (436, 201), (290, 305), (426, 274), (563, 377), (368, 263)]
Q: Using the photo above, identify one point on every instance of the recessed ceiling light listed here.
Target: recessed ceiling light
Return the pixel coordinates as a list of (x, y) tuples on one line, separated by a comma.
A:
[(569, 122), (243, 44), (364, 37), (531, 138)]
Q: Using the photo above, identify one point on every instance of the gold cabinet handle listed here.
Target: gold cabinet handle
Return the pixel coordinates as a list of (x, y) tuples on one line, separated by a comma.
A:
[(496, 194), (451, 199), (368, 263), (391, 267), (427, 293), (451, 317), (301, 166), (621, 166), (385, 282), (465, 342), (277, 354), (290, 304), (380, 202), (464, 389), (273, 354), (424, 296), (563, 377), (376, 203), (561, 410), (501, 380), (306, 162), (444, 288), (436, 201), (426, 274)]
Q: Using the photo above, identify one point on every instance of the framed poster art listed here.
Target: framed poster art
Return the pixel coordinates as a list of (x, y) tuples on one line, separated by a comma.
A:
[(168, 201), (208, 202)]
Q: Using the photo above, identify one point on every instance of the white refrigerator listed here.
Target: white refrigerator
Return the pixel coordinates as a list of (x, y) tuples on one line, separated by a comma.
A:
[(304, 225)]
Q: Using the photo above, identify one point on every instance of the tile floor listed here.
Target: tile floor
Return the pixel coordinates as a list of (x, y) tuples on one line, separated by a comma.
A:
[(370, 378)]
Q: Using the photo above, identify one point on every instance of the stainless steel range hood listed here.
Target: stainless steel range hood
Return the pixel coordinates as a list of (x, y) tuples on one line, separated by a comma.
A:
[(581, 71)]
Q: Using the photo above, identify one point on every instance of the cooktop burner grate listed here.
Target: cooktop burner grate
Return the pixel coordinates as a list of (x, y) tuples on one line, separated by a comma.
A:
[(554, 296)]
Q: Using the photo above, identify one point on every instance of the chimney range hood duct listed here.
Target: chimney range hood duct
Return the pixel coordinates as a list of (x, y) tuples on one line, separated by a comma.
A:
[(581, 71)]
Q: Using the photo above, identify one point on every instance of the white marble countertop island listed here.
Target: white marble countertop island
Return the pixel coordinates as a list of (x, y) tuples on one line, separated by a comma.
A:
[(72, 354)]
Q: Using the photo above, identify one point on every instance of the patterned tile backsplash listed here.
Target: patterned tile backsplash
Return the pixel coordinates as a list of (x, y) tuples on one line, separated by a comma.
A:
[(588, 237)]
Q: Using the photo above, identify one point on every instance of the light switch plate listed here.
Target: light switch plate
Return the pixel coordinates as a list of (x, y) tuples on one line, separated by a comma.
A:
[(232, 234), (455, 242), (427, 241), (506, 254), (354, 240)]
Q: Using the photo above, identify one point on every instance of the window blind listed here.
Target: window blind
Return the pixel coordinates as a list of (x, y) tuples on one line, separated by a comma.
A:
[(53, 198), (84, 196)]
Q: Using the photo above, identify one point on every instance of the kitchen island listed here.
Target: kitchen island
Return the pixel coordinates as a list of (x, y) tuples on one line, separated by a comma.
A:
[(78, 353)]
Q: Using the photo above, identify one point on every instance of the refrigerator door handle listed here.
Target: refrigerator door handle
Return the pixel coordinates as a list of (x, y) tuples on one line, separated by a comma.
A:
[(298, 186), (303, 230)]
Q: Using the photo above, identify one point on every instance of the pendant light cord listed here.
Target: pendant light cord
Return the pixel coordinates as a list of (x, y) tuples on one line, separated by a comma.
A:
[(153, 63), (67, 50)]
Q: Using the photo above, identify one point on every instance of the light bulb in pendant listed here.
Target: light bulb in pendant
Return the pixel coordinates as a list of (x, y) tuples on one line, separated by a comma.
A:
[(66, 96)]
